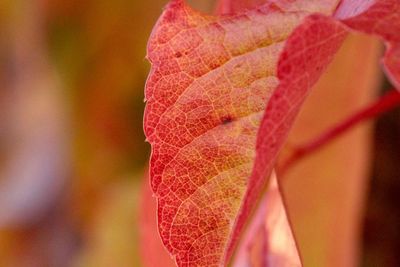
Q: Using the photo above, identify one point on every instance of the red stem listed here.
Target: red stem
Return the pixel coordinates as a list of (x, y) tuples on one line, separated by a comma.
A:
[(382, 105)]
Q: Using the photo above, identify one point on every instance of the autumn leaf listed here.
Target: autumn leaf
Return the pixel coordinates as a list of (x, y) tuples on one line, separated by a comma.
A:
[(269, 240), (206, 95), (324, 192), (381, 18), (222, 95)]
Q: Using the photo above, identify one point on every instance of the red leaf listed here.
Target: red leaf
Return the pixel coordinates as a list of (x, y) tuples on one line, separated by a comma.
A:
[(378, 17), (269, 240), (210, 83), (323, 192), (211, 78), (297, 72)]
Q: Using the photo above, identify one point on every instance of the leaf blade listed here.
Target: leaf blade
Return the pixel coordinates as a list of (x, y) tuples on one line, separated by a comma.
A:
[(189, 138), (381, 18)]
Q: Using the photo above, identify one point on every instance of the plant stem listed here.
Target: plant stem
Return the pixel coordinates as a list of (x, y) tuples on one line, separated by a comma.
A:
[(385, 103)]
